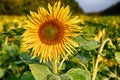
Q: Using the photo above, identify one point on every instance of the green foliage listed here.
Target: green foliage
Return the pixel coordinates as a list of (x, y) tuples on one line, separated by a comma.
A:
[(117, 56), (87, 44), (52, 77), (42, 72), (39, 71), (66, 77), (2, 72), (79, 74), (27, 76), (11, 66)]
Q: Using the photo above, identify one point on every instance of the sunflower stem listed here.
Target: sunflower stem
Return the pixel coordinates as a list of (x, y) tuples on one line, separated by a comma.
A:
[(54, 64), (59, 68), (98, 56), (6, 41)]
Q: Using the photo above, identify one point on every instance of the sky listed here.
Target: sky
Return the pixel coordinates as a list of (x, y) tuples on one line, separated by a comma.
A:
[(95, 5)]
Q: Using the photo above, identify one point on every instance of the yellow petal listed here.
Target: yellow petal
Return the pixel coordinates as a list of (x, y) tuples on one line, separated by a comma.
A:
[(56, 9)]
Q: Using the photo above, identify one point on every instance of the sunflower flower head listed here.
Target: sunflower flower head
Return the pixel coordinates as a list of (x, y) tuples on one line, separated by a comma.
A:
[(49, 32)]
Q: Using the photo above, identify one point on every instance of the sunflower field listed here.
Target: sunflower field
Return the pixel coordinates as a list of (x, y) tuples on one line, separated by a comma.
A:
[(97, 56)]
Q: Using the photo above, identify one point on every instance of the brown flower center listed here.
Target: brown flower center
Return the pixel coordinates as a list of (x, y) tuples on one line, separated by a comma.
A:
[(51, 32)]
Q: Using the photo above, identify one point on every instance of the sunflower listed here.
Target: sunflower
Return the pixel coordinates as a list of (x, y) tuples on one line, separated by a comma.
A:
[(49, 32)]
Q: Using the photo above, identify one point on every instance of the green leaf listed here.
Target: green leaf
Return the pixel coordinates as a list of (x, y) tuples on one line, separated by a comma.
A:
[(52, 77), (63, 66), (2, 72), (84, 56), (13, 48), (39, 71), (75, 60), (27, 76), (19, 31), (111, 45), (117, 57), (87, 44), (26, 58), (79, 74), (66, 77)]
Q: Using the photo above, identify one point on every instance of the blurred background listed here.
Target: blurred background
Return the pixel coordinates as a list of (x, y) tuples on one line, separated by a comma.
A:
[(22, 7), (94, 16)]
